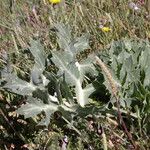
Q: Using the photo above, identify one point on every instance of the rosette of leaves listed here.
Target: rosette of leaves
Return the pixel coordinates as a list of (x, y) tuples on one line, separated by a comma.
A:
[(129, 62), (50, 92)]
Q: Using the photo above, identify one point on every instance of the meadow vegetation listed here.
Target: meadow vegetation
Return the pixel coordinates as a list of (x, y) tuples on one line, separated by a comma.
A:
[(74, 74)]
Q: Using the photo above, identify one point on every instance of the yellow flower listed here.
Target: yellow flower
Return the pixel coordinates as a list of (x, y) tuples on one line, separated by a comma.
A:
[(106, 29), (54, 1)]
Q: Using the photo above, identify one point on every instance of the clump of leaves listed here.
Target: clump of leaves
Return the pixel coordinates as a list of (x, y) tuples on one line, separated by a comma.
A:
[(129, 62), (69, 87)]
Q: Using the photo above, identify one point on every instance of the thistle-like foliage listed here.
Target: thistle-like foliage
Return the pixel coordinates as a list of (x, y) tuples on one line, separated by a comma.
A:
[(130, 65), (70, 76), (73, 71)]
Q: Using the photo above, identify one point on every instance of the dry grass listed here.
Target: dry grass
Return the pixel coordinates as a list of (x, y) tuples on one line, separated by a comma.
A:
[(27, 19), (22, 20)]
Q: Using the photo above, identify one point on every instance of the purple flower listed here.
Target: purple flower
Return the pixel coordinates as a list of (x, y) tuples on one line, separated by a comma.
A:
[(141, 2)]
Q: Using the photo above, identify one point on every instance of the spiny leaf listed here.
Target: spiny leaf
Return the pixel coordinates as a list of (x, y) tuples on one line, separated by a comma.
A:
[(144, 61), (69, 44), (66, 91), (130, 65), (18, 86), (82, 43), (69, 67), (35, 107), (37, 51), (66, 67), (36, 73), (87, 66), (64, 37), (73, 73)]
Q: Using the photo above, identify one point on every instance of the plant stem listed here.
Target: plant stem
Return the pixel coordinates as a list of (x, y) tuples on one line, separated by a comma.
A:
[(114, 93), (104, 140), (74, 128)]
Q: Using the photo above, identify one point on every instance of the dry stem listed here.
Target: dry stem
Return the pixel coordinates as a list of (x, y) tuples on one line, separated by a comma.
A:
[(114, 93)]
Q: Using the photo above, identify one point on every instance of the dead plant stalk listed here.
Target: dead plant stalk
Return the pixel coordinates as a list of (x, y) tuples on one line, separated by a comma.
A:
[(114, 93)]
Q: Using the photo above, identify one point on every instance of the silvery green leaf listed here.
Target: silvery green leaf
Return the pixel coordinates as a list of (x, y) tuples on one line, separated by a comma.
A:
[(123, 56), (87, 66), (122, 75), (18, 86), (72, 73), (116, 48), (147, 77), (130, 61), (36, 73), (44, 80), (65, 58), (128, 44), (88, 90), (83, 94), (66, 67), (37, 76), (35, 107), (72, 46), (144, 61), (6, 72), (37, 51), (53, 99), (66, 91), (64, 37), (63, 32), (129, 64), (145, 58), (82, 43)]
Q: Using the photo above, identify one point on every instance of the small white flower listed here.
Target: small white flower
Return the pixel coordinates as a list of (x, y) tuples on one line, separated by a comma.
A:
[(133, 6)]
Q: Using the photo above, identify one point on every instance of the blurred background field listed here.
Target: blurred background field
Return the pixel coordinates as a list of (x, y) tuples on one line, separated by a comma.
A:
[(23, 19), (104, 20)]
